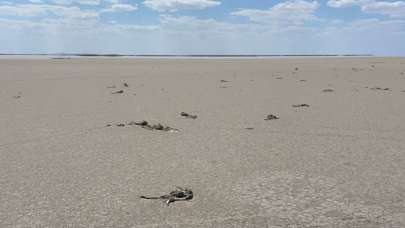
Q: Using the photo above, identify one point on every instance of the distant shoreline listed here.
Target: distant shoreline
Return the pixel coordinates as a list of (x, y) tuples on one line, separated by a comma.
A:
[(119, 55), (86, 55)]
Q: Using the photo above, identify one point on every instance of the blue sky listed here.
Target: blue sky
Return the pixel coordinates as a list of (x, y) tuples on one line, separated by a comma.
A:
[(203, 26)]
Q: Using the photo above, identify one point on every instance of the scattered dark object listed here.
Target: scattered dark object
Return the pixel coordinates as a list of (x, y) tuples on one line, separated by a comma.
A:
[(301, 106), (403, 91), (118, 92), (126, 84), (110, 87), (328, 90), (18, 96), (182, 194), (379, 88), (303, 80), (159, 127), (142, 123), (402, 73), (188, 115), (224, 81), (145, 125), (132, 123), (249, 128), (296, 69), (272, 117)]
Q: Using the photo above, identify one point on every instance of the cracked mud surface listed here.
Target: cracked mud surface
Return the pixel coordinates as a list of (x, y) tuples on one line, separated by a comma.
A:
[(339, 163), (312, 202)]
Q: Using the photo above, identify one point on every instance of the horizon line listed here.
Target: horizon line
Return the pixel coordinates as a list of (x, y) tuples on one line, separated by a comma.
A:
[(181, 55)]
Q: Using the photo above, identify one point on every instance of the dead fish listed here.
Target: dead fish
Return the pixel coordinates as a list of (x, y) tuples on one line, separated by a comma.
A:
[(159, 127), (182, 194), (186, 115), (301, 106), (272, 117), (379, 88), (142, 123), (118, 92)]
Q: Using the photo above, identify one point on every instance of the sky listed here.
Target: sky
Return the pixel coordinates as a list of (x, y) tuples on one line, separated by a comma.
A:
[(211, 27)]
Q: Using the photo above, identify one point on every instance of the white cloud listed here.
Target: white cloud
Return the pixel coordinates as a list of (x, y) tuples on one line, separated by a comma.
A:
[(84, 2), (289, 12), (25, 10), (191, 23), (176, 5), (346, 3), (36, 1), (364, 36), (191, 35), (33, 10), (394, 9), (281, 29), (119, 7)]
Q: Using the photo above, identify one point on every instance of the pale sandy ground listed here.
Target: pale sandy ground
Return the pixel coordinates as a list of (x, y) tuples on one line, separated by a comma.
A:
[(338, 163)]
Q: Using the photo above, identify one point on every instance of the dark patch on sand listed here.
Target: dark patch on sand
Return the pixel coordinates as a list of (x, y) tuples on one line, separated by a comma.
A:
[(181, 194), (189, 116), (272, 117), (379, 88), (159, 127), (301, 106), (118, 92)]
